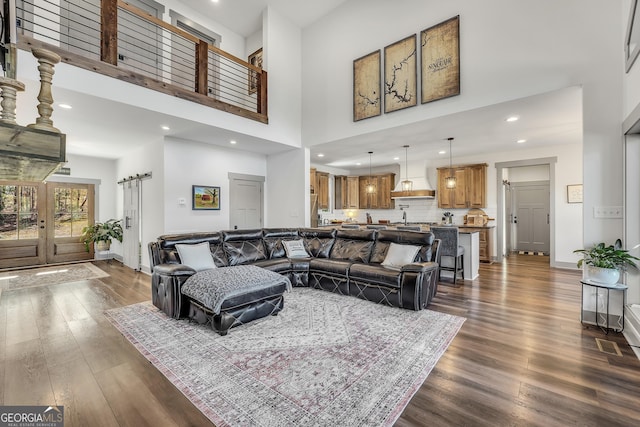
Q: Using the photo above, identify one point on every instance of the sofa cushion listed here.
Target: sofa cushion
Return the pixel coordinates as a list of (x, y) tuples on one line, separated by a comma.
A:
[(318, 241), (375, 274), (244, 252), (278, 265), (353, 245), (295, 249), (399, 255), (332, 267), (196, 256), (273, 238), (385, 237), (169, 255)]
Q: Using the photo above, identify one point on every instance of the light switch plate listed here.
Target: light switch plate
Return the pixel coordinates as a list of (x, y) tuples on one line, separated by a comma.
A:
[(607, 212)]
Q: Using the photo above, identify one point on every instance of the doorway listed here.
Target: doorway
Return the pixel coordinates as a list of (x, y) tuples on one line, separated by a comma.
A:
[(246, 201), (41, 223), (523, 171)]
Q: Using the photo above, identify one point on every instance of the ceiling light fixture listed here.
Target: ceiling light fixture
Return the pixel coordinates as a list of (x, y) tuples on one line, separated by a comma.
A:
[(512, 119), (320, 155), (165, 127), (450, 181), (442, 152), (371, 188), (407, 184), (233, 141), (521, 141)]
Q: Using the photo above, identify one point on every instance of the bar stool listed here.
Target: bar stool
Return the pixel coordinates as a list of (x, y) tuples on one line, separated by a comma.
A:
[(450, 248)]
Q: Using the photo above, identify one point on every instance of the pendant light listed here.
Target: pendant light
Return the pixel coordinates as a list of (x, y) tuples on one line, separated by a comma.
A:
[(371, 187), (407, 185), (451, 179)]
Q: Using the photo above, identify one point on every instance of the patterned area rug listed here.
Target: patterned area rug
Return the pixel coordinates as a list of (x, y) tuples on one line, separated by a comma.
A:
[(51, 275), (325, 360)]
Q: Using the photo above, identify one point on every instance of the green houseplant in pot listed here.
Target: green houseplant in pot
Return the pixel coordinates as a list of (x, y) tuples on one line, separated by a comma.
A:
[(101, 233), (604, 263)]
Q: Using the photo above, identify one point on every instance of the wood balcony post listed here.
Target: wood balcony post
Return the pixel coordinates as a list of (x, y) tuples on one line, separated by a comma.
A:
[(202, 65), (262, 93), (109, 31)]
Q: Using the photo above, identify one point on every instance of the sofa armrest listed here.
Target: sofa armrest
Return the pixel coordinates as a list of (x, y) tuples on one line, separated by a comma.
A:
[(166, 285), (173, 270), (419, 282)]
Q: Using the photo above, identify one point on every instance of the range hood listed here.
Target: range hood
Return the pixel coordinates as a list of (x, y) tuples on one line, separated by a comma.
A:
[(421, 190)]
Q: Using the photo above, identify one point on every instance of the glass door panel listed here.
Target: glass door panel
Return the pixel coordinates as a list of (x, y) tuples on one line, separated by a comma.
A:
[(22, 237)]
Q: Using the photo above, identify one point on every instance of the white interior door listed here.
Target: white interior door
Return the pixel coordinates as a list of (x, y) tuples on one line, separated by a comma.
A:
[(531, 216), (131, 226), (246, 200)]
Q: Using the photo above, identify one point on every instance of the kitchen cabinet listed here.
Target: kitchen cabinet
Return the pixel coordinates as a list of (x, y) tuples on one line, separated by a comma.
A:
[(319, 184), (312, 181), (347, 192), (484, 240), (471, 187), (381, 199), (322, 188)]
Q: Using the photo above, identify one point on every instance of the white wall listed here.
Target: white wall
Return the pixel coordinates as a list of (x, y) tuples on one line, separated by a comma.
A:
[(288, 197), (282, 58), (188, 163), (500, 61)]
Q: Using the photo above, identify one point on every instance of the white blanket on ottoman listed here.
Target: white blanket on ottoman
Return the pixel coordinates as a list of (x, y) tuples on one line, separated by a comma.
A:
[(212, 287)]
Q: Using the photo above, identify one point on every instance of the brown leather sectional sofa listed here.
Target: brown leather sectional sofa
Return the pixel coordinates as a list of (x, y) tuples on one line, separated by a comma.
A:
[(342, 261)]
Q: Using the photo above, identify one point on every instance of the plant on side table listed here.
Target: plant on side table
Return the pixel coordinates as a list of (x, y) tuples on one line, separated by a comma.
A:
[(101, 233), (604, 263)]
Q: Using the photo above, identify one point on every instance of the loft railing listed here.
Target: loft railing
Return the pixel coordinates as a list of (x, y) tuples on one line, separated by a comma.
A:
[(116, 39)]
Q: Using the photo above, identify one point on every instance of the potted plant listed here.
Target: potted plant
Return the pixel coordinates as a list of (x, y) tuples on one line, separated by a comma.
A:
[(604, 263), (101, 234)]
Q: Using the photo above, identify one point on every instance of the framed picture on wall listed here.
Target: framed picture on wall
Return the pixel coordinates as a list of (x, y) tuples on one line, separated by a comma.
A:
[(574, 193), (366, 86), (205, 198), (440, 66), (400, 82)]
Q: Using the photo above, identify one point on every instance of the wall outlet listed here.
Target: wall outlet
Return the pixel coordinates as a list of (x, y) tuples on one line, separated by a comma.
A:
[(607, 212), (182, 201)]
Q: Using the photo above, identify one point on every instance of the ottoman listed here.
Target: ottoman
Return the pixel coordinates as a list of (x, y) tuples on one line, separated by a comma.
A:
[(230, 296)]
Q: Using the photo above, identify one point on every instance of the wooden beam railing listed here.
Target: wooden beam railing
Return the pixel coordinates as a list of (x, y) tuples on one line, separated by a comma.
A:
[(134, 46)]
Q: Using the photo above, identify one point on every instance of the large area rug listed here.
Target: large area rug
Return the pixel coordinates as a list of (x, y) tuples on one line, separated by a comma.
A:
[(50, 275), (325, 360)]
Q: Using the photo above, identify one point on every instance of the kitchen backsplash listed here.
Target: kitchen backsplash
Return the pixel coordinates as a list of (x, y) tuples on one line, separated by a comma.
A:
[(417, 210)]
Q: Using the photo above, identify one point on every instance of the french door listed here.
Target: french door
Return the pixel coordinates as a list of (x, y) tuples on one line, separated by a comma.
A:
[(41, 223)]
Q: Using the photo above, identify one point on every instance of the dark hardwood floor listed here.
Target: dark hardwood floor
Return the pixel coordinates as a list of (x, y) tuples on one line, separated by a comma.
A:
[(522, 358)]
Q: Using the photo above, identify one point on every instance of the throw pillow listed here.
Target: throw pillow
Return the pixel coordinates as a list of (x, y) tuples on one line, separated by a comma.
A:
[(197, 256), (399, 255), (295, 249)]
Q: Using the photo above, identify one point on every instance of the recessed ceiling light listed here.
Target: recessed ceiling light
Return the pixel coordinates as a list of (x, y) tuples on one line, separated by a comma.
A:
[(521, 141), (233, 141), (396, 158), (358, 164), (442, 152), (215, 1), (320, 155), (512, 118), (65, 106), (165, 127)]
